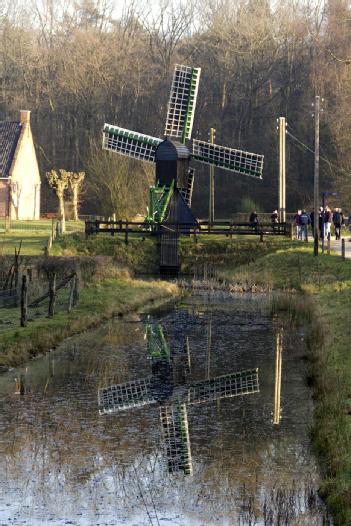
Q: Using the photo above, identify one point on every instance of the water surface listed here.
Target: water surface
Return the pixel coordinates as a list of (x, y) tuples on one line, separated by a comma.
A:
[(64, 463)]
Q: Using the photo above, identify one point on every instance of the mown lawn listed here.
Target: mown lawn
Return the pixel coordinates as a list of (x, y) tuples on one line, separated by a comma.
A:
[(31, 235)]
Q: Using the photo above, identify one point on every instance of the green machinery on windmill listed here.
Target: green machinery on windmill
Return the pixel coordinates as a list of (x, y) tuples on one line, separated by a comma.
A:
[(170, 197)]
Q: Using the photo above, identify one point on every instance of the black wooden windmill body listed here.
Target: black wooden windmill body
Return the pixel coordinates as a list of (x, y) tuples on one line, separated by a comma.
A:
[(168, 387), (170, 197)]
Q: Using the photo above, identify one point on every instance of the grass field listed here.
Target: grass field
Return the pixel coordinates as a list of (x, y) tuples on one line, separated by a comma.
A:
[(32, 235)]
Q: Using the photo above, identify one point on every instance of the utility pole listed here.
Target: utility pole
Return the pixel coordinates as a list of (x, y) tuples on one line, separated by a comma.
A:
[(282, 170), (316, 174), (212, 182)]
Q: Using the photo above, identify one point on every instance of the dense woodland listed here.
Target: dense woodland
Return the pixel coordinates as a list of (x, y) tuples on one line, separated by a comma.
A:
[(79, 63)]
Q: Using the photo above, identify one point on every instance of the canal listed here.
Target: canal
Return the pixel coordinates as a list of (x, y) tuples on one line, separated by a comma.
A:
[(198, 413)]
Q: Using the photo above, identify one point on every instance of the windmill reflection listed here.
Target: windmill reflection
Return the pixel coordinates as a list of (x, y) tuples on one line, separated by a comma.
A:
[(168, 386)]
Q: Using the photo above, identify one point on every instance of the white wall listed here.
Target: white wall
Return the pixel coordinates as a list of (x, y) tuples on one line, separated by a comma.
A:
[(25, 178)]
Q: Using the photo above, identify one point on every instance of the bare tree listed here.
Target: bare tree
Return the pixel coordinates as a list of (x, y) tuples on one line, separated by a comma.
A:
[(75, 182), (59, 181)]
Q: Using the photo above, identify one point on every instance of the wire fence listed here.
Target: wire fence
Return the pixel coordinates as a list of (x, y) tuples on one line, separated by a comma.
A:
[(41, 299)]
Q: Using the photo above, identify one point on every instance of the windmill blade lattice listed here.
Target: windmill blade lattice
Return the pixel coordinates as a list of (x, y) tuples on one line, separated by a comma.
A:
[(175, 432), (227, 386), (129, 143), (136, 393), (182, 102), (231, 159)]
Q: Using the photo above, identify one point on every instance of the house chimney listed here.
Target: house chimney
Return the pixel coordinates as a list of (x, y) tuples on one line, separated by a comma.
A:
[(25, 117)]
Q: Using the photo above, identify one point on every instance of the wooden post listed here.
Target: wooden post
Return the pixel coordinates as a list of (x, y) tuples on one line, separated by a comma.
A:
[(316, 175), (24, 301), (126, 234), (57, 229), (212, 184), (53, 228), (261, 237), (52, 295), (328, 246), (282, 163), (71, 292), (20, 385), (343, 248), (49, 245), (76, 291), (16, 269)]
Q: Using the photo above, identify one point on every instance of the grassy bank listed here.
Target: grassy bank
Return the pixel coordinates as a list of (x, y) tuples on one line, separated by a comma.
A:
[(141, 254), (98, 302), (323, 307)]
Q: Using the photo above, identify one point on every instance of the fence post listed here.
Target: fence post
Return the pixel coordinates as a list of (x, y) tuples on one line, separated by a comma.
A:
[(24, 301), (57, 229), (20, 385), (52, 295), (71, 292), (328, 246), (343, 248), (49, 245), (75, 291), (126, 234)]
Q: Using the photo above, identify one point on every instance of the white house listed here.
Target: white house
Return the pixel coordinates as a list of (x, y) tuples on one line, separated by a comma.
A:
[(19, 171)]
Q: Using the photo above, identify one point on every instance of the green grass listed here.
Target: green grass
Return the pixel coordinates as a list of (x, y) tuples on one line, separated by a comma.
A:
[(323, 307), (140, 255), (97, 303), (33, 234)]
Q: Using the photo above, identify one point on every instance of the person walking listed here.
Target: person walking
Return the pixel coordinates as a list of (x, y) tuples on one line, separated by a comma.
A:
[(304, 222), (253, 220), (297, 224), (321, 221), (274, 219), (328, 220), (337, 221)]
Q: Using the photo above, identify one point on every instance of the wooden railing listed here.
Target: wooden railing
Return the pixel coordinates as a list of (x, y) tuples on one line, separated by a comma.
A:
[(228, 228)]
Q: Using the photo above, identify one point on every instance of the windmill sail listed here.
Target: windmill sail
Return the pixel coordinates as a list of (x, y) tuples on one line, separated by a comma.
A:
[(136, 393), (227, 386), (182, 102), (129, 143), (231, 159), (175, 432)]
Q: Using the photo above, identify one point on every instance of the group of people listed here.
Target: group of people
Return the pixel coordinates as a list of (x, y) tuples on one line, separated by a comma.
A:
[(303, 219), (326, 218)]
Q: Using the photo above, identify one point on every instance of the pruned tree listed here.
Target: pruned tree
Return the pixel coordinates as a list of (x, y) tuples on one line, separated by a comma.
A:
[(59, 181), (75, 182)]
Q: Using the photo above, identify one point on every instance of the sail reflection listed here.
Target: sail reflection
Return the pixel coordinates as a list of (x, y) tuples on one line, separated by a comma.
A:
[(168, 386)]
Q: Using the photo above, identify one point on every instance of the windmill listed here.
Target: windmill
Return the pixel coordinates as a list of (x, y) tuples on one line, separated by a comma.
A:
[(168, 387), (170, 197)]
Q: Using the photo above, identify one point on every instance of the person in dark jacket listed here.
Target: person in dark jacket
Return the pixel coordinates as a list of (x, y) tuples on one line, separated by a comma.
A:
[(304, 222), (253, 219), (321, 219), (337, 221), (274, 218)]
